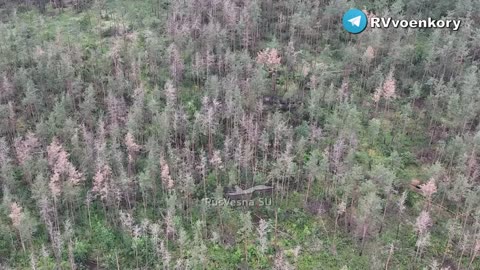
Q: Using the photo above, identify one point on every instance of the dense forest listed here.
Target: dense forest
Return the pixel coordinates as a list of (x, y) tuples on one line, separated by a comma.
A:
[(121, 121)]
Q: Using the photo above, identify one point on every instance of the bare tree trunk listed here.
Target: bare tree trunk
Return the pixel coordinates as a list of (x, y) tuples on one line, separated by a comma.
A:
[(310, 179), (276, 223), (116, 259), (390, 253), (71, 258), (21, 242), (383, 216), (474, 255), (88, 213), (364, 235), (461, 256)]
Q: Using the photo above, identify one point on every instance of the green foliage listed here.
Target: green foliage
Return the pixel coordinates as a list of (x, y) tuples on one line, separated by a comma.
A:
[(312, 126)]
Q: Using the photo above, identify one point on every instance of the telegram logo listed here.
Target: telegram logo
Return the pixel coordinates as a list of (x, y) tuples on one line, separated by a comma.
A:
[(354, 21)]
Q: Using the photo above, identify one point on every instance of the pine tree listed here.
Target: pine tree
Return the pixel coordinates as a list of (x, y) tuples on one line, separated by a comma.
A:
[(199, 249), (176, 63), (61, 167), (369, 205), (389, 87), (16, 216), (32, 100), (422, 227), (245, 231), (165, 175), (401, 209), (384, 179), (25, 149), (271, 60), (428, 190), (262, 230), (6, 88), (102, 183), (132, 149)]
